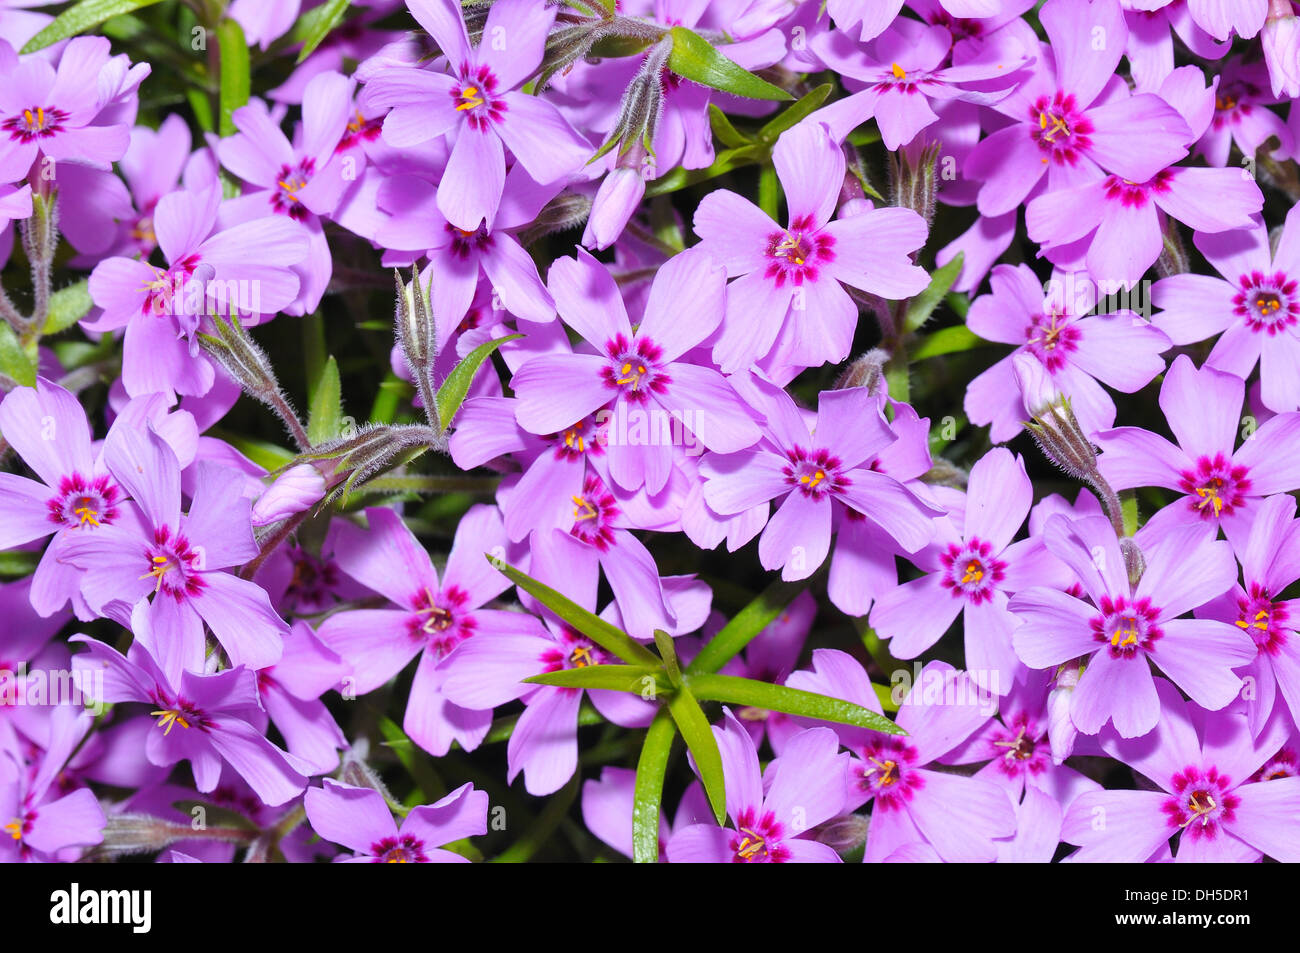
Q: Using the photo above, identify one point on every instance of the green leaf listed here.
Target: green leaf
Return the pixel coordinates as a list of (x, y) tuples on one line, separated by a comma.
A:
[(747, 623), (326, 418), (795, 113), (82, 17), (947, 341), (453, 390), (680, 178), (202, 107), (649, 789), (235, 82), (18, 562), (922, 306), (793, 701), (413, 759), (769, 191), (695, 58), (608, 637), (1128, 505), (668, 652), (727, 134), (328, 17), (268, 456), (617, 678), (67, 306), (698, 735), (16, 362)]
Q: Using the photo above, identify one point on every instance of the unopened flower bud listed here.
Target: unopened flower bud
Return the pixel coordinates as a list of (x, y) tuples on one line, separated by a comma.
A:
[(1060, 729), (844, 833), (1280, 39), (293, 491), (619, 195)]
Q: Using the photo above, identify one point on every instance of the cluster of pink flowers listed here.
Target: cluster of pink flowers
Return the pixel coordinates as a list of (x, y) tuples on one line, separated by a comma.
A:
[(626, 364)]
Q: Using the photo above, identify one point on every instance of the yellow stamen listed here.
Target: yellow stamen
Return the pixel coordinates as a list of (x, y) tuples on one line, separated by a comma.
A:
[(471, 98), (87, 515), (169, 719), (1210, 496), (888, 767), (14, 828), (974, 572), (582, 509), (750, 845), (581, 657), (898, 71), (1199, 810), (1130, 635), (161, 565)]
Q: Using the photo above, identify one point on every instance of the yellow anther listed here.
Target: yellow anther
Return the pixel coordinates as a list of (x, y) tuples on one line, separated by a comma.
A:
[(887, 767), (87, 515), (581, 657), (471, 98), (169, 719), (750, 845), (898, 71), (974, 572), (15, 829), (583, 509)]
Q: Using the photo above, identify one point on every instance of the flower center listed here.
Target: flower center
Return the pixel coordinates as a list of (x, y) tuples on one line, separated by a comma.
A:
[(14, 829), (886, 774), (1262, 619), (440, 620), (475, 97), (757, 840), (83, 502), (1201, 801), (404, 849), (1216, 488), (1267, 303), (592, 511), (1050, 337), (1058, 127), (34, 123), (582, 438), (292, 180), (634, 368), (797, 254), (169, 718), (971, 570), (175, 565), (814, 473), (1126, 627)]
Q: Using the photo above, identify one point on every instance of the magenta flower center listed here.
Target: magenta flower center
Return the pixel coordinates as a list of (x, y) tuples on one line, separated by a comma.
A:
[(34, 123), (1263, 620), (1059, 129), (441, 620), (1126, 626), (1021, 754), (797, 254), (634, 368), (592, 512), (175, 565), (814, 473), (1216, 487), (970, 570), (314, 580), (84, 502), (584, 437), (1266, 303), (465, 242), (166, 292), (476, 97), (177, 713), (1202, 800), (886, 773), (292, 180), (403, 849), (1050, 337), (757, 839), (1284, 764), (572, 650), (1136, 194)]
